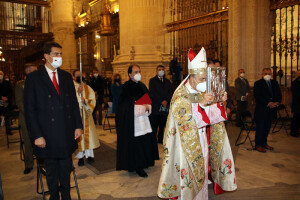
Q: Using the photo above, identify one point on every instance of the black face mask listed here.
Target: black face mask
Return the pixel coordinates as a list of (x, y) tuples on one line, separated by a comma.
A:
[(78, 79), (117, 80)]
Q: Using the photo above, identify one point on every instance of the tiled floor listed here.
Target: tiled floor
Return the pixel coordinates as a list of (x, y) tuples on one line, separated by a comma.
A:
[(273, 175)]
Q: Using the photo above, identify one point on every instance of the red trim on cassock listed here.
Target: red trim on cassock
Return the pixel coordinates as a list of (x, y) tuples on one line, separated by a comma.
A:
[(222, 109), (204, 115)]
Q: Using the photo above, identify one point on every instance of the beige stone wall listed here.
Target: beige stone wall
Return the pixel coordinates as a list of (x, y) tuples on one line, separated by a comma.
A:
[(143, 37), (249, 42), (63, 28)]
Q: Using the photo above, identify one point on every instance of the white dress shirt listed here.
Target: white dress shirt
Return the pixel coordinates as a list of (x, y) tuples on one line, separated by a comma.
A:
[(50, 72)]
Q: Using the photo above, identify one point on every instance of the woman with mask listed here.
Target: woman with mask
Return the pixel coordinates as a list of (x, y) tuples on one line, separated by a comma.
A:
[(134, 141), (196, 146)]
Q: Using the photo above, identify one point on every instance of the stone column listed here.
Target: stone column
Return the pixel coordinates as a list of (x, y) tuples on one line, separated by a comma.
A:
[(143, 39), (249, 41), (63, 30)]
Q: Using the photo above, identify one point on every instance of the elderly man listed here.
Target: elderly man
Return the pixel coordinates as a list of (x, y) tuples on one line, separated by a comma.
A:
[(267, 95), (161, 94), (242, 92), (19, 94), (194, 153)]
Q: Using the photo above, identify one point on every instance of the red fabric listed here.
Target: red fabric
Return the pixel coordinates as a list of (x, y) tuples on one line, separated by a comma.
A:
[(174, 198), (145, 99), (204, 115), (218, 189), (191, 54), (208, 142), (55, 82), (222, 109)]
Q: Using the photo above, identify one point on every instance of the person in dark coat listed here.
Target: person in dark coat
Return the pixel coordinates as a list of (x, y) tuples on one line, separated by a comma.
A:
[(242, 92), (134, 153), (97, 84), (267, 96), (19, 94), (161, 94), (53, 119), (296, 106), (6, 94), (116, 90)]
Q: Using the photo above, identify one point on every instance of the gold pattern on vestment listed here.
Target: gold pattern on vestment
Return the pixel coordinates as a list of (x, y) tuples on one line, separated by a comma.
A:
[(198, 71), (217, 137), (189, 137)]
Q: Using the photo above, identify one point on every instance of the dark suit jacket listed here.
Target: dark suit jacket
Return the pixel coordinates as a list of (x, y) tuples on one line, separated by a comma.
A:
[(52, 116), (159, 91), (263, 97), (97, 84), (241, 88), (296, 95)]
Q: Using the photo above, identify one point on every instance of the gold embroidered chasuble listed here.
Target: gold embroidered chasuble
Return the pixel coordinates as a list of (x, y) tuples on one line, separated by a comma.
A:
[(183, 168), (89, 138)]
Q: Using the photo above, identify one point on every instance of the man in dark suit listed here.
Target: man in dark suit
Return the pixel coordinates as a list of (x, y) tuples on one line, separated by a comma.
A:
[(242, 91), (97, 84), (267, 95), (161, 94), (53, 119), (296, 106), (19, 94)]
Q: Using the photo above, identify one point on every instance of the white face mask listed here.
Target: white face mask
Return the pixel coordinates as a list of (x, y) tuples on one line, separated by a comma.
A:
[(267, 77), (57, 62), (242, 75), (161, 73), (1, 77), (137, 77), (201, 87)]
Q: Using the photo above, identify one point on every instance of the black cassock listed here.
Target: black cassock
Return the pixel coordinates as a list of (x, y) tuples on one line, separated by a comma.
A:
[(132, 152)]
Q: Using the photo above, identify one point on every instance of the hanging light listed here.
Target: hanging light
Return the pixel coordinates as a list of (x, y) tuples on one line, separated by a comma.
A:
[(105, 25)]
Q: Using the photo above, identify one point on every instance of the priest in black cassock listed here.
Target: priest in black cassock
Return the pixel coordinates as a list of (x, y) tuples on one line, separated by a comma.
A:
[(134, 143)]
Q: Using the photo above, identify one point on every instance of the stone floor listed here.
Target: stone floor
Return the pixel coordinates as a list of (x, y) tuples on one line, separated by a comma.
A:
[(271, 175)]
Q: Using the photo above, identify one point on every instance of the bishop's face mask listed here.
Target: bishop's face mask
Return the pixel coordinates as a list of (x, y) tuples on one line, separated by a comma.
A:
[(56, 62), (200, 87)]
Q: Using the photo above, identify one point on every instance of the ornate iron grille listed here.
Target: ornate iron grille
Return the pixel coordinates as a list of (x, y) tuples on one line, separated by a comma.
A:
[(285, 40), (198, 23)]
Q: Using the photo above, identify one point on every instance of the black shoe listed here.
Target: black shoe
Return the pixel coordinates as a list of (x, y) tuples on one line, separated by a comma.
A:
[(90, 160), (141, 173), (80, 162), (27, 170)]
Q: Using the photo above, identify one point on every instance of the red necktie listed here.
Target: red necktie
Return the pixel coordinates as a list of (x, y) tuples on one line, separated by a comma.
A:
[(55, 82)]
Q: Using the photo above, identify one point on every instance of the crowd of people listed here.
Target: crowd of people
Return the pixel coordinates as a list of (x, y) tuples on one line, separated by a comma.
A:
[(58, 114)]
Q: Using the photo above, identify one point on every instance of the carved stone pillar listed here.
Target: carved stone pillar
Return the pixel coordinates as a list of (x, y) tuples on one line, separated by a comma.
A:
[(249, 41), (143, 39), (63, 30)]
